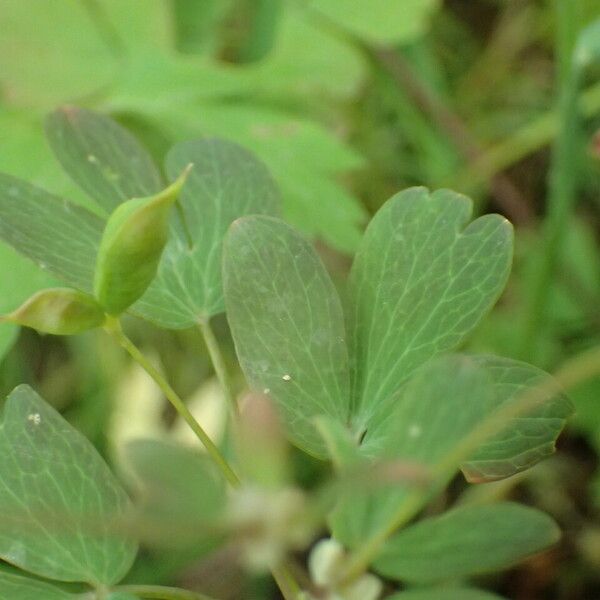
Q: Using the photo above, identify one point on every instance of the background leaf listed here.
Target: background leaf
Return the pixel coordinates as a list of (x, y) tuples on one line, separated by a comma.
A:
[(380, 21), (287, 323), (18, 587), (422, 280), (58, 498), (102, 157), (466, 541)]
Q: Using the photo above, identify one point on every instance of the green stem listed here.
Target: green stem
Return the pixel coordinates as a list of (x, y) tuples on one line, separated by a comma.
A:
[(563, 176), (574, 372), (156, 592), (218, 364), (113, 327), (282, 575)]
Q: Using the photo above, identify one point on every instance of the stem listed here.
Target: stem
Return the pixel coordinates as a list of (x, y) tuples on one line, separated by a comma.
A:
[(285, 581), (572, 373), (284, 578), (113, 327), (218, 364), (563, 175), (156, 592)]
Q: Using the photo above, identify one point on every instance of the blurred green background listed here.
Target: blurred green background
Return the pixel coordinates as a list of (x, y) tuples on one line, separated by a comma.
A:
[(347, 102)]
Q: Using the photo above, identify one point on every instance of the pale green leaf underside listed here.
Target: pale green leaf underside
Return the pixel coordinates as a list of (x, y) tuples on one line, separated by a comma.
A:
[(225, 183), (18, 587), (465, 542), (287, 323), (421, 282), (526, 439), (57, 498), (445, 594), (102, 157)]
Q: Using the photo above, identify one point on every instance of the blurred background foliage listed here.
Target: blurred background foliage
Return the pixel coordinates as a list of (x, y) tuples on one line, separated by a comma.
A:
[(347, 102)]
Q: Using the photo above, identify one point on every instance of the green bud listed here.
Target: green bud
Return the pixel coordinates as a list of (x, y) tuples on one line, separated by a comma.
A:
[(60, 311), (133, 240)]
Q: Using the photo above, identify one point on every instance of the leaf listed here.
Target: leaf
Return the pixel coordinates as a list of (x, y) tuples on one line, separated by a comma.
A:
[(465, 542), (441, 403), (18, 587), (48, 53), (226, 182), (303, 157), (60, 311), (380, 21), (58, 499), (445, 594), (131, 247), (56, 234), (421, 282), (526, 439), (122, 596), (287, 324), (180, 491), (102, 157)]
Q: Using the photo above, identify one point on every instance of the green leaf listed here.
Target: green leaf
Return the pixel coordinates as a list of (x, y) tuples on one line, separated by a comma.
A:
[(526, 439), (443, 401), (60, 311), (227, 182), (422, 280), (465, 542), (18, 587), (180, 491), (58, 499), (56, 234), (102, 157), (122, 596), (380, 21), (445, 594), (303, 158), (287, 323), (131, 247)]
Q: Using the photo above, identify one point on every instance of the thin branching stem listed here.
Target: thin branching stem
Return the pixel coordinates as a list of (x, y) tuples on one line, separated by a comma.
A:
[(113, 327)]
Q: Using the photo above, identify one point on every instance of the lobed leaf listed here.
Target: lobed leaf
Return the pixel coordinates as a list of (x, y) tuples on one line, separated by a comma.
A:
[(287, 324), (466, 541), (58, 499), (102, 157), (443, 401), (526, 439), (421, 282)]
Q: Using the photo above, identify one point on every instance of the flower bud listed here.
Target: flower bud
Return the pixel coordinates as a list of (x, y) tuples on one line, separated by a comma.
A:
[(133, 241), (60, 311)]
